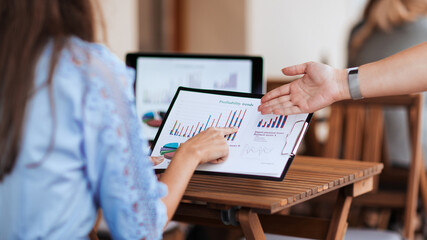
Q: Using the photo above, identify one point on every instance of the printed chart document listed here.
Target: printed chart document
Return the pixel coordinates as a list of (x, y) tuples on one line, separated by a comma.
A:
[(263, 147)]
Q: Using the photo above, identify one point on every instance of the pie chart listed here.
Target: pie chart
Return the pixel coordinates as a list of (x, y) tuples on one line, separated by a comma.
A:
[(168, 150), (153, 119)]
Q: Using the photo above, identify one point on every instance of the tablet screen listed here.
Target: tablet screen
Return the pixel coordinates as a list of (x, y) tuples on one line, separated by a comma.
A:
[(263, 146)]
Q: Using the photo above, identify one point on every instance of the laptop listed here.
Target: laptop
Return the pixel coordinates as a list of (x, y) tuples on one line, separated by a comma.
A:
[(158, 77)]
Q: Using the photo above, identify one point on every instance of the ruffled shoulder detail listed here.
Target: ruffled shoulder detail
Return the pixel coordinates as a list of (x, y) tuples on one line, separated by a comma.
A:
[(128, 190)]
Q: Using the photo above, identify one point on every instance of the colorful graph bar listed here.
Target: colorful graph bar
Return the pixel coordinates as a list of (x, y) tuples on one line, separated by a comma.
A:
[(234, 114), (275, 122), (171, 132), (218, 120), (238, 126), (234, 119)]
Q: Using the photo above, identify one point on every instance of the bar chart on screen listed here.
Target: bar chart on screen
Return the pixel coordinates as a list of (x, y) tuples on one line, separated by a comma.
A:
[(273, 122), (233, 118), (230, 83), (162, 94)]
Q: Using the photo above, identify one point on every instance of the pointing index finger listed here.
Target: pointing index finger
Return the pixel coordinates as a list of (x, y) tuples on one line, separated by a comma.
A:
[(228, 130)]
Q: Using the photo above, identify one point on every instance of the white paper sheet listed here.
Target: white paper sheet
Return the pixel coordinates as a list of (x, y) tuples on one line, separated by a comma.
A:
[(262, 146)]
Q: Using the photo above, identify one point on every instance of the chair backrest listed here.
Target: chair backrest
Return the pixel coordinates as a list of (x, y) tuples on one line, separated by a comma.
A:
[(356, 131), (356, 128)]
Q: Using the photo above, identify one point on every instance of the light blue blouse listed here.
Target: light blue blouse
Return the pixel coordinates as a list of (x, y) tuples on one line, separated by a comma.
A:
[(97, 157)]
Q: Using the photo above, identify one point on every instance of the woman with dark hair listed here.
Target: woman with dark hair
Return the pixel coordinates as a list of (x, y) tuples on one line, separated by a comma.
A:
[(70, 138)]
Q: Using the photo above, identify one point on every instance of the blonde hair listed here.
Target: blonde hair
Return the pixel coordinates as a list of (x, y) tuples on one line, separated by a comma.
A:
[(384, 15)]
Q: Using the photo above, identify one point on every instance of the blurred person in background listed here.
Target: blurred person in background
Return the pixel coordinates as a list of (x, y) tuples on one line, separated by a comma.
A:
[(388, 27)]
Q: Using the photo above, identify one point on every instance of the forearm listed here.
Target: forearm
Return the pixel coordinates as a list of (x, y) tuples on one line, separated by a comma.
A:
[(207, 146), (176, 177), (402, 73)]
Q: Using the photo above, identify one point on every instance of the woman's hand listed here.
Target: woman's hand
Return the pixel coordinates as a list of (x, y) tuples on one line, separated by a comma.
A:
[(207, 146), (320, 86), (156, 160)]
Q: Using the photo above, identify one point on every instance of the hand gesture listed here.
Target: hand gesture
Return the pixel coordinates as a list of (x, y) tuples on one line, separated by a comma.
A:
[(320, 86)]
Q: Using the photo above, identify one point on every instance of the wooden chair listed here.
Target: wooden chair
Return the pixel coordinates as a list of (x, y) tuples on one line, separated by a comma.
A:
[(93, 233), (356, 131)]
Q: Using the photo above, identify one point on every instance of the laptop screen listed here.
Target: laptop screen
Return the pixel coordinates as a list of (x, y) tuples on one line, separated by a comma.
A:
[(159, 76)]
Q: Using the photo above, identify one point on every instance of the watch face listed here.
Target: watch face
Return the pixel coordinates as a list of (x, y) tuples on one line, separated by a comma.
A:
[(353, 71)]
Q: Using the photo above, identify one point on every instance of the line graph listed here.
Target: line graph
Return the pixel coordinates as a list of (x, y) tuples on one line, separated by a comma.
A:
[(255, 151)]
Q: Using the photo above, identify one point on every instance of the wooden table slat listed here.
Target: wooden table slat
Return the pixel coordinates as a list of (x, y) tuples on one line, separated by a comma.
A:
[(306, 178)]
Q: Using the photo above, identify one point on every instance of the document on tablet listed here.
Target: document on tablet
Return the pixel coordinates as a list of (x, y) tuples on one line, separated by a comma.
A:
[(263, 147)]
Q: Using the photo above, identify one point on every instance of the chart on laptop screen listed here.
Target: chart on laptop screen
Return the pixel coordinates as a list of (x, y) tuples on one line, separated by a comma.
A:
[(158, 79)]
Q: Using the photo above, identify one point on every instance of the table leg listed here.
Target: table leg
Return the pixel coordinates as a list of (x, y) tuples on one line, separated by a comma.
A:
[(412, 195), (423, 184), (338, 224), (250, 224)]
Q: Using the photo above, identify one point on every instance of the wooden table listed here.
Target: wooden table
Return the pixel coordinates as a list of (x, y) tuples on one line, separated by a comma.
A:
[(258, 206)]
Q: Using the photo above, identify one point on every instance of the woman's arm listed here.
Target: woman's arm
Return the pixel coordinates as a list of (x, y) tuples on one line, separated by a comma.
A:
[(119, 173), (322, 85), (207, 146)]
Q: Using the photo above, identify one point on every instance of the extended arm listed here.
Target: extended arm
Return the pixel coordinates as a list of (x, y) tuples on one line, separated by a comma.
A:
[(322, 85), (402, 73)]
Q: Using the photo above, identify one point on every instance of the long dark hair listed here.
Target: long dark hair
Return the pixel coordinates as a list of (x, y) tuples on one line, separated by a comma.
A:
[(26, 26)]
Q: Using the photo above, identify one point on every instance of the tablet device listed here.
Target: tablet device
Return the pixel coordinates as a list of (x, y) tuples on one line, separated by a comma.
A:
[(159, 75), (263, 147)]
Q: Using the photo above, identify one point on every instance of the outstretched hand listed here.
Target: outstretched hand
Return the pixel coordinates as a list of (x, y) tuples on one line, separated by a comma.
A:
[(320, 86)]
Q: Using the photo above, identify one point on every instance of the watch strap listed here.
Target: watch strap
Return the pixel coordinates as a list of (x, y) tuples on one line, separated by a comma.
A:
[(353, 83)]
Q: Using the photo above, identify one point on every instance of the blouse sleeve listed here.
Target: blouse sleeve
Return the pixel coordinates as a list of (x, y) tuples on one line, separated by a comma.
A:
[(119, 170)]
